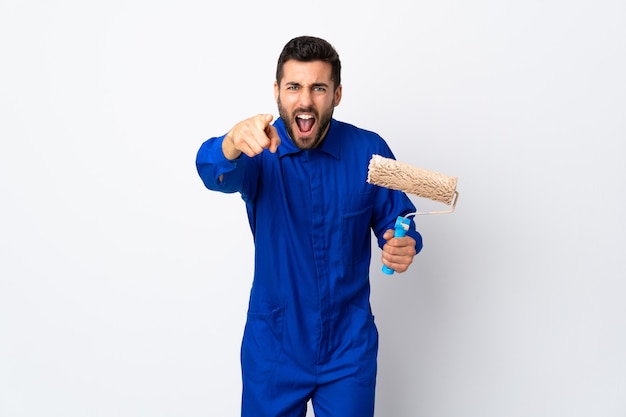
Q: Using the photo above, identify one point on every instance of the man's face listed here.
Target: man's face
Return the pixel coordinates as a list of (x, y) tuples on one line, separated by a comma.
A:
[(306, 100)]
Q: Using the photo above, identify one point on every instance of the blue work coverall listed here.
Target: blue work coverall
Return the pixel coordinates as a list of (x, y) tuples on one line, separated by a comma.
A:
[(310, 332)]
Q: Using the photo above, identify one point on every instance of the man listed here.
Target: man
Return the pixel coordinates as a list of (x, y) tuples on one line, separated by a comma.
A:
[(310, 333)]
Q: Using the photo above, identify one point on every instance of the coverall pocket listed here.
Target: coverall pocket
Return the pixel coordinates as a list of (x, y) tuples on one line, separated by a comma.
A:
[(262, 344), (364, 344), (356, 232)]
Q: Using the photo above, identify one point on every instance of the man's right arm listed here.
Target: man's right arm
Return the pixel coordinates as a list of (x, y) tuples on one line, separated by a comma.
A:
[(216, 171), (219, 161)]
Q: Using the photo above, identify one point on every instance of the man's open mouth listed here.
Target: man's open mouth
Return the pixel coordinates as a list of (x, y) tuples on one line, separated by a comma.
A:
[(305, 122)]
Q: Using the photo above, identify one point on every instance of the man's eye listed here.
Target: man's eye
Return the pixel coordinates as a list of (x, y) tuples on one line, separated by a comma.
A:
[(319, 89), (292, 87)]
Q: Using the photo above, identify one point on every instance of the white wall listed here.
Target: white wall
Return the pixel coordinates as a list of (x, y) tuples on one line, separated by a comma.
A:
[(124, 283)]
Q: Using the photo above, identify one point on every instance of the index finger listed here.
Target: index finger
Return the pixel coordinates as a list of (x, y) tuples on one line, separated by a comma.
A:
[(272, 134)]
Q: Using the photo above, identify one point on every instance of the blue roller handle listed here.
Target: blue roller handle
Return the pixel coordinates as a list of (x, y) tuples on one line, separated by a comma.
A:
[(400, 229)]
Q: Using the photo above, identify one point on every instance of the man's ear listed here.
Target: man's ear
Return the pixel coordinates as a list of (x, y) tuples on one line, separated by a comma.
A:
[(338, 95), (276, 91)]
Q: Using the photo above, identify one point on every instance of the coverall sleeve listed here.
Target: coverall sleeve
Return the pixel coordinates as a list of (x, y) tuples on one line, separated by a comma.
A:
[(216, 171), (400, 210)]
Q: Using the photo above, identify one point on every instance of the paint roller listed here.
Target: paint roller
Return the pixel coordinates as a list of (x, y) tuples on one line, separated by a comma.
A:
[(396, 175)]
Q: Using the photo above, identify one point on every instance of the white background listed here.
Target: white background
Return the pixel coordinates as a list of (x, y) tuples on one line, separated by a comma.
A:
[(124, 283)]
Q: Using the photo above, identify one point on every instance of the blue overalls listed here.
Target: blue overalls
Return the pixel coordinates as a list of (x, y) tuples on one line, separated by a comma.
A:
[(310, 333)]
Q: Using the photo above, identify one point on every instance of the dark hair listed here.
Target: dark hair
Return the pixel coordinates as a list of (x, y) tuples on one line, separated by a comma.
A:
[(308, 49)]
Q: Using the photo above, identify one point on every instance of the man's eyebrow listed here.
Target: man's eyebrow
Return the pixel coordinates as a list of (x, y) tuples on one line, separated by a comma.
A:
[(312, 85)]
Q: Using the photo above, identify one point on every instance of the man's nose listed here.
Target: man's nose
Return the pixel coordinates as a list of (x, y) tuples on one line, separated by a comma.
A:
[(306, 98)]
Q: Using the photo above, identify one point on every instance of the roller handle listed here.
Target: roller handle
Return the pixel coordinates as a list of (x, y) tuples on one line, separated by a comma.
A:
[(400, 229)]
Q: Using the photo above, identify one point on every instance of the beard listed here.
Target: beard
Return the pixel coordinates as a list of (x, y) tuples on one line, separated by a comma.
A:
[(322, 122)]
